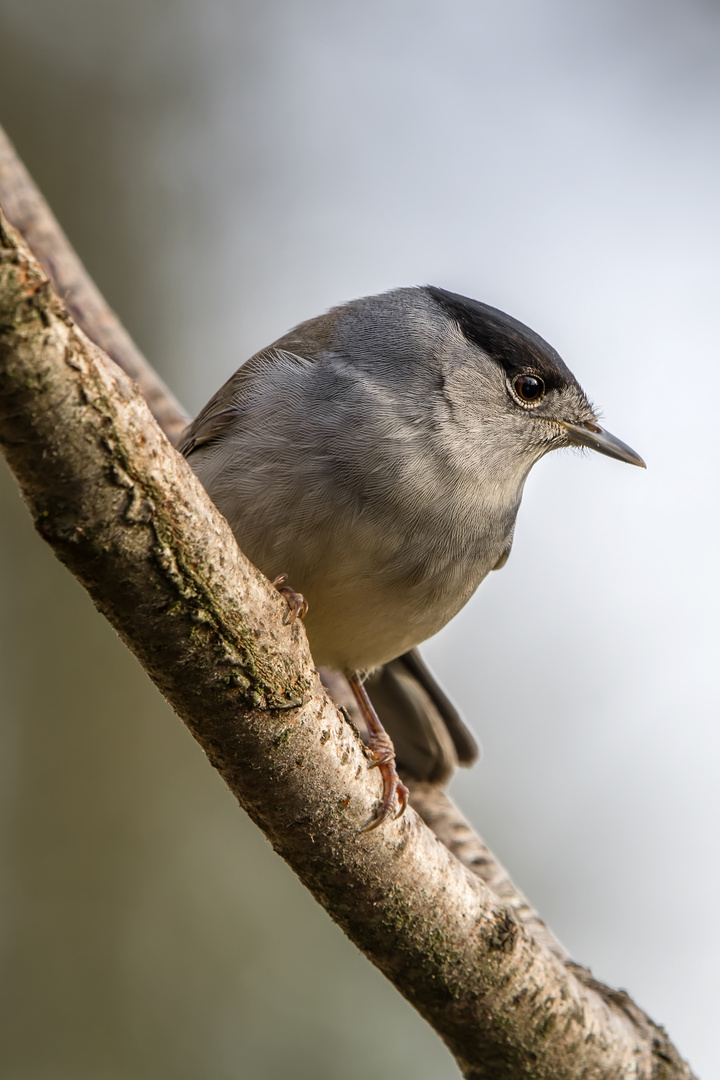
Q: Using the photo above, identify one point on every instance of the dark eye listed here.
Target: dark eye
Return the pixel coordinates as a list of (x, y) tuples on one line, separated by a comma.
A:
[(529, 387)]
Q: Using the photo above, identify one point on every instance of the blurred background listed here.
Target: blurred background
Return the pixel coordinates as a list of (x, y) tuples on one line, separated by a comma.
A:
[(227, 168)]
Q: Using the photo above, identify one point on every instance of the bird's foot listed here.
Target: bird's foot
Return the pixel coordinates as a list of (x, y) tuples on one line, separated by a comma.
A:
[(395, 792), (296, 602), (382, 751)]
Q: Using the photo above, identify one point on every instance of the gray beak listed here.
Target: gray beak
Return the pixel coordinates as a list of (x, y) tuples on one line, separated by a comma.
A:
[(592, 435)]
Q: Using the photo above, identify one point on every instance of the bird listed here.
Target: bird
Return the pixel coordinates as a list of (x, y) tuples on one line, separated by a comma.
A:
[(371, 463)]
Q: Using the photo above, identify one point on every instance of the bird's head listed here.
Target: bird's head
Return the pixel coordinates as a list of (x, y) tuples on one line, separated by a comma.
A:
[(504, 381)]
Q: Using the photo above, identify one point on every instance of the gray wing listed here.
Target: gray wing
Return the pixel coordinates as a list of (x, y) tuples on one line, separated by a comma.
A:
[(223, 409), (305, 344)]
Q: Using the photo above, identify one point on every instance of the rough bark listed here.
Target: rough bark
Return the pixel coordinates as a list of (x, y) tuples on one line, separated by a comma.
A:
[(124, 512)]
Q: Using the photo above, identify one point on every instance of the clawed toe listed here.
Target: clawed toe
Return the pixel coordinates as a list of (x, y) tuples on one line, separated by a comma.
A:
[(394, 793), (297, 604)]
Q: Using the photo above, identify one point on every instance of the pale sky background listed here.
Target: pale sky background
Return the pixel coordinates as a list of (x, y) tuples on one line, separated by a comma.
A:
[(228, 169)]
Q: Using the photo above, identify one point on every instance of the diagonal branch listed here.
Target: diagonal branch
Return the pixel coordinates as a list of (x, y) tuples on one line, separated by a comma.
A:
[(124, 512)]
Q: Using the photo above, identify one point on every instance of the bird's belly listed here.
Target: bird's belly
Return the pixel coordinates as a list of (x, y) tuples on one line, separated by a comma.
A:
[(379, 579), (364, 616)]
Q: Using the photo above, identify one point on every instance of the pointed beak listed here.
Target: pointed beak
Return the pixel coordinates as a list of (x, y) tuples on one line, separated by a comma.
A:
[(592, 435)]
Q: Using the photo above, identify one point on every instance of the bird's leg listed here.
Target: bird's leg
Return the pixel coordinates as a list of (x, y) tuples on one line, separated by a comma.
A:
[(297, 604), (383, 753)]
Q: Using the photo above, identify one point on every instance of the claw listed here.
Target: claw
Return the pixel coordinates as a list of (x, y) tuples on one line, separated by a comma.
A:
[(402, 795), (393, 789), (297, 604)]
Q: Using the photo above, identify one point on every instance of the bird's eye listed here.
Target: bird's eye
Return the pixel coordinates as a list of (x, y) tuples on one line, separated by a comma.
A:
[(529, 388)]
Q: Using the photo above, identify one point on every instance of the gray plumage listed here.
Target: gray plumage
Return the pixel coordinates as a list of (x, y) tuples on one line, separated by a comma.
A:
[(377, 456)]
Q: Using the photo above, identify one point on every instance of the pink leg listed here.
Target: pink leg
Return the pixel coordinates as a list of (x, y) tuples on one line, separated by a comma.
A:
[(383, 752)]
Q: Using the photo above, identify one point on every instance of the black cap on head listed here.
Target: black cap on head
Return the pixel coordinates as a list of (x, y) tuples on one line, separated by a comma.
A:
[(512, 344)]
